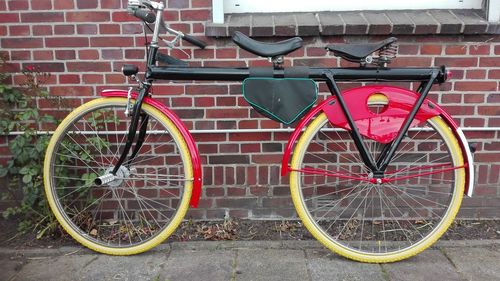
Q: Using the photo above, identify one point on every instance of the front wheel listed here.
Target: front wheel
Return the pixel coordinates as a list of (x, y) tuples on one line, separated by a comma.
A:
[(377, 222), (146, 199)]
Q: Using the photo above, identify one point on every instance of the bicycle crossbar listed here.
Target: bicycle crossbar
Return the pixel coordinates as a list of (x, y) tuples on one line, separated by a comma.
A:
[(317, 74)]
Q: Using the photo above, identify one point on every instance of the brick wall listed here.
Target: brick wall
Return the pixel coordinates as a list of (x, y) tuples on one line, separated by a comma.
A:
[(83, 44)]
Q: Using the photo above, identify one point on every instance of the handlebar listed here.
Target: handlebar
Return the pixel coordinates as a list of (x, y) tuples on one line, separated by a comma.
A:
[(144, 15), (194, 41), (144, 10)]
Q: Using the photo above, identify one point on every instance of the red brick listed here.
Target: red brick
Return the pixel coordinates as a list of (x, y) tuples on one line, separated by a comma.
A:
[(230, 113), (86, 29), (113, 54), (74, 91), (46, 67), (479, 49), (42, 30), (474, 122), (476, 74), (475, 86), (109, 29), (198, 28), (3, 5), (132, 28), (18, 5), (489, 110), (64, 29), (22, 43), (43, 55), (473, 98), (408, 49), (64, 42), (111, 42), (69, 79), (456, 50), (122, 16), (87, 16), (201, 3), (65, 54), (206, 89), (494, 74), (178, 4), (134, 54), (92, 79), (19, 30), (63, 5), (88, 66), (195, 15), (88, 54), (42, 17), (86, 4), (497, 50), (489, 62), (204, 54), (115, 79), (430, 50), (8, 17), (41, 5), (456, 61), (20, 55), (110, 4), (3, 30)]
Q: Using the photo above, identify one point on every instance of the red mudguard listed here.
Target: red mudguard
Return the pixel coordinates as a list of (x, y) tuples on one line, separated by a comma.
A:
[(195, 157), (382, 127)]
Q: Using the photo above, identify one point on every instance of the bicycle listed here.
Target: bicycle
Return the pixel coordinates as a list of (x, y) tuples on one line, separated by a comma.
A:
[(377, 173)]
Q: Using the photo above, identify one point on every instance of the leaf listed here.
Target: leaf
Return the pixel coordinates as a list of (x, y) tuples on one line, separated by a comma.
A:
[(26, 178)]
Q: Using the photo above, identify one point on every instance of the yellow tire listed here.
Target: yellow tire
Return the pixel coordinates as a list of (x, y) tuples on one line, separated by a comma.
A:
[(406, 215), (147, 198)]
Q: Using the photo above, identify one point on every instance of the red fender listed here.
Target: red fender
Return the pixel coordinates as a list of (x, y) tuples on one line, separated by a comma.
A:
[(195, 157), (382, 127)]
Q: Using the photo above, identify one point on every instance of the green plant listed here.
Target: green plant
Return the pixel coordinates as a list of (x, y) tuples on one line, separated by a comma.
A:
[(20, 120)]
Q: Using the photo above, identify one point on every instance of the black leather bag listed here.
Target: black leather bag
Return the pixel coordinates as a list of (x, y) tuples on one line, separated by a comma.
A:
[(282, 100)]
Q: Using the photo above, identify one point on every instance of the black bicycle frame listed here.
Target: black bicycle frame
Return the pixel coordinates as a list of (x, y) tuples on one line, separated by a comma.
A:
[(427, 77)]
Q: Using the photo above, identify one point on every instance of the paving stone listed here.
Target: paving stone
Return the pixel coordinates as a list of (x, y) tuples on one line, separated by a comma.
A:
[(355, 23), (476, 263), (331, 23), (9, 268), (265, 265), (130, 268), (450, 24), (428, 265), (198, 265), (325, 265), (379, 23), (55, 268)]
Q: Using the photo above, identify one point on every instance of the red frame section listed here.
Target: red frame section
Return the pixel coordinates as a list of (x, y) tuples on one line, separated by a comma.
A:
[(193, 150), (381, 127)]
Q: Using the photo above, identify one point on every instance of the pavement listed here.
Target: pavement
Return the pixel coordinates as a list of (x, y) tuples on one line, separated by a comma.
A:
[(250, 260)]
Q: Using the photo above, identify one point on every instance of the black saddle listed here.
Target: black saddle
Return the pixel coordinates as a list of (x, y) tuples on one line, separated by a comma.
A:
[(265, 49), (356, 52)]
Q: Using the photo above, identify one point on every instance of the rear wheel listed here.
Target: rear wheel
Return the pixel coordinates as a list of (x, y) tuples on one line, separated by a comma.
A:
[(377, 222), (146, 199)]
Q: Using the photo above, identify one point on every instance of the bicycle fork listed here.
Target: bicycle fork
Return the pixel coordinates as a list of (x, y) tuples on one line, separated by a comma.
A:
[(137, 118)]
